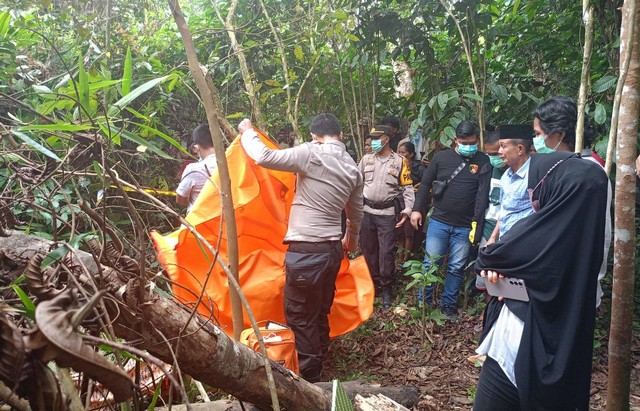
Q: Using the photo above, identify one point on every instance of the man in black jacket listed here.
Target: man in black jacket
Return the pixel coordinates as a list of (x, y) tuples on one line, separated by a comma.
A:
[(450, 223)]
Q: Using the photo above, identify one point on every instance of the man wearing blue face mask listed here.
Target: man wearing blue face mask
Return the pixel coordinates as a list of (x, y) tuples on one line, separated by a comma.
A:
[(456, 172), (388, 200)]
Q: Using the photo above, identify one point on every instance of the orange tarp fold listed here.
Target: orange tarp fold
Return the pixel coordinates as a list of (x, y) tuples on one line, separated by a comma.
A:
[(262, 201)]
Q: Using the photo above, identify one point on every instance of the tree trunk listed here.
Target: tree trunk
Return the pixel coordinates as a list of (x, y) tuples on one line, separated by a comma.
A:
[(627, 29), (206, 353), (242, 59), (587, 18), (620, 334), (404, 395), (221, 160)]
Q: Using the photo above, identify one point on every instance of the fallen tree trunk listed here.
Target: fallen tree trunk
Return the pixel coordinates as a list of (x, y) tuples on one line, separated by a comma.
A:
[(201, 349), (402, 394)]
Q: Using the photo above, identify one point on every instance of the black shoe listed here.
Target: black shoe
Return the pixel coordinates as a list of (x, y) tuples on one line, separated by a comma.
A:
[(386, 298), (451, 312)]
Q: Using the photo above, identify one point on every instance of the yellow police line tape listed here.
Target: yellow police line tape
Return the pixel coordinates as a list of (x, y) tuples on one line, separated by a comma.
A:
[(149, 190)]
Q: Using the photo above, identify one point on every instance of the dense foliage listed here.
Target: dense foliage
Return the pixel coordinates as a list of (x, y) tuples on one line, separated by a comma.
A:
[(97, 93)]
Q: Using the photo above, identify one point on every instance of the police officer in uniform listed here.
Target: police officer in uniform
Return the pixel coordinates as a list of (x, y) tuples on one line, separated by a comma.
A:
[(388, 200), (328, 182)]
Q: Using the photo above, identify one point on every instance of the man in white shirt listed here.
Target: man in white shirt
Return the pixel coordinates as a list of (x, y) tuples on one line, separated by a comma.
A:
[(195, 175)]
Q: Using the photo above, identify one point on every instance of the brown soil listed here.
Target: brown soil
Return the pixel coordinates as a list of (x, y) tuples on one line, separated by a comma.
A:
[(389, 349)]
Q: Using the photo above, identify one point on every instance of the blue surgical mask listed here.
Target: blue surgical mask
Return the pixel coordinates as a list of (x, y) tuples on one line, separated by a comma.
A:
[(540, 145), (467, 150), (376, 145), (497, 162)]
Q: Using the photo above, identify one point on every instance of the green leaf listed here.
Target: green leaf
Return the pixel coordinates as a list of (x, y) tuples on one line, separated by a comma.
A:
[(450, 132), (54, 256), (127, 74), (516, 93), (163, 136), (29, 307), (154, 399), (97, 169), (55, 127), (600, 115), (297, 51), (353, 37), (83, 85), (76, 241), (501, 93), (432, 102), (422, 117), (40, 89), (516, 6), (5, 18), (99, 85), (235, 115), (340, 15), (137, 92), (273, 83), (471, 96), (35, 145), (443, 99), (116, 133), (604, 83)]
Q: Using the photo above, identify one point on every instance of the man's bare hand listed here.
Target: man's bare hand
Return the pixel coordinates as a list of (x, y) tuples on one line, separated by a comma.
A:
[(245, 125), (416, 219), (402, 220)]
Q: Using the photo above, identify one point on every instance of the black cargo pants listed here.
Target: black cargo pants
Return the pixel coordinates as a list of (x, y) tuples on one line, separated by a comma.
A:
[(378, 241), (311, 271)]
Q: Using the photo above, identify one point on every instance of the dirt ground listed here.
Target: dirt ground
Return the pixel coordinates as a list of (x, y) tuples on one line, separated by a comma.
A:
[(390, 349)]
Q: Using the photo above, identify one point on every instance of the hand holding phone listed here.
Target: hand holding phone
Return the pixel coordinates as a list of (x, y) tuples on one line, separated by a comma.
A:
[(506, 287)]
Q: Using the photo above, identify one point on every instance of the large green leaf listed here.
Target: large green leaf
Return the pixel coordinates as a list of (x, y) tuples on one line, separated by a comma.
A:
[(127, 74), (450, 132), (297, 51), (443, 99), (472, 96), (137, 92), (55, 127), (5, 18), (600, 114), (35, 144), (83, 85), (99, 85), (604, 83), (116, 133), (163, 136), (54, 256), (29, 307), (40, 89)]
